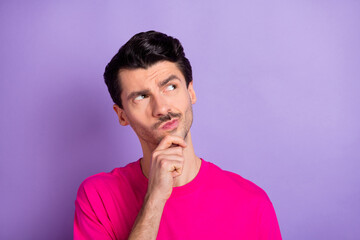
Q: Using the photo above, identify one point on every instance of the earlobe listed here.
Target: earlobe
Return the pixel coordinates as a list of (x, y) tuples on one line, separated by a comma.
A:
[(192, 93), (123, 120)]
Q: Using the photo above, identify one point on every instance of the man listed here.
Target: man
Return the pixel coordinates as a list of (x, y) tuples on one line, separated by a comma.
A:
[(169, 193)]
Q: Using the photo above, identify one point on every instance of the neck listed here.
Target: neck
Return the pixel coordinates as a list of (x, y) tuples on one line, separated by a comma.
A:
[(192, 163)]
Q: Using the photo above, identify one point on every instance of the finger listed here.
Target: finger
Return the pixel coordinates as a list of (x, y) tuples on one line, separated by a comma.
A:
[(171, 150), (177, 170), (169, 162), (173, 166), (169, 140)]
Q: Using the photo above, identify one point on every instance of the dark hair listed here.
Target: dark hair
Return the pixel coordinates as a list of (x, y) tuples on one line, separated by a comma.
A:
[(142, 51)]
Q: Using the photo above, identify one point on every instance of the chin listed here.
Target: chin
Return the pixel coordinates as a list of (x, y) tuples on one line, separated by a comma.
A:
[(173, 133)]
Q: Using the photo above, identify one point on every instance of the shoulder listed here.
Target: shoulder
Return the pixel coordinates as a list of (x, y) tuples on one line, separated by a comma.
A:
[(105, 181), (235, 183)]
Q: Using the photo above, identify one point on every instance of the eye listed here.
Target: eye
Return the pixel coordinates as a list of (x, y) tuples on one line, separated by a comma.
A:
[(140, 97), (171, 87)]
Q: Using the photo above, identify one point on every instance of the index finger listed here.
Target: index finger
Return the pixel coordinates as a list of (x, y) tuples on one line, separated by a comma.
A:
[(170, 140)]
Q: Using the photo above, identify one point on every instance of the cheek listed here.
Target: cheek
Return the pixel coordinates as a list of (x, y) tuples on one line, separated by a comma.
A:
[(138, 120), (183, 99), (186, 102)]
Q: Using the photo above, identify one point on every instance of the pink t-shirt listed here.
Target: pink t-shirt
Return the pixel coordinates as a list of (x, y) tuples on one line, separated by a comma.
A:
[(217, 204)]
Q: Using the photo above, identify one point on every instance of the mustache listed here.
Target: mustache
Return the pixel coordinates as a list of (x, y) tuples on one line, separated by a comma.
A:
[(165, 118)]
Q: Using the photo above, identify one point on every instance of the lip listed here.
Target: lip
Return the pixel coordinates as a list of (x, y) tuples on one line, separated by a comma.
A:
[(170, 125)]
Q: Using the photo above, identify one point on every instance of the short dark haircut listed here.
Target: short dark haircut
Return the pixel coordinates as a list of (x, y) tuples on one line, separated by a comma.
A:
[(142, 51)]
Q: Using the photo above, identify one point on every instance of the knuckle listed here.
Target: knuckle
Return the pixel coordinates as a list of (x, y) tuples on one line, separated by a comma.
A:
[(162, 163), (155, 154)]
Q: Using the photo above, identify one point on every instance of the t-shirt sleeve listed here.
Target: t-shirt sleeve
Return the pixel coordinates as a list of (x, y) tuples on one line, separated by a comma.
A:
[(90, 220), (269, 226)]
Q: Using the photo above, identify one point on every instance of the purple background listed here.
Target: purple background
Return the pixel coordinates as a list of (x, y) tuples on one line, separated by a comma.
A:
[(278, 103)]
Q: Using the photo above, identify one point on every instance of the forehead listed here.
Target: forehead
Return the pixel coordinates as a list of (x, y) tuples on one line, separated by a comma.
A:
[(138, 79)]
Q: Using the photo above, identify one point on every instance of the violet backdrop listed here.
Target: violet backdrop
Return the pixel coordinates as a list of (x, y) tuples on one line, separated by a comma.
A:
[(278, 103)]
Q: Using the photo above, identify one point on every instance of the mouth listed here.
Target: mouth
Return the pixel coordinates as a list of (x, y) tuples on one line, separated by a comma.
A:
[(170, 125)]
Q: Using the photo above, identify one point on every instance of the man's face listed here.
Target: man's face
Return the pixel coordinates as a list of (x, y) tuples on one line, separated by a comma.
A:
[(156, 102)]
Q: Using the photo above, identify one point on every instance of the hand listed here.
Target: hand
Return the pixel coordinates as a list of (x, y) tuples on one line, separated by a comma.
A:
[(167, 162)]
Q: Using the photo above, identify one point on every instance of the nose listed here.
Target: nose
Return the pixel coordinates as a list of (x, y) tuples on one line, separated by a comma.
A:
[(160, 107)]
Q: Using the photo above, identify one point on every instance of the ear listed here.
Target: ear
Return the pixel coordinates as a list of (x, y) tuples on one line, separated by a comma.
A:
[(192, 92), (123, 120)]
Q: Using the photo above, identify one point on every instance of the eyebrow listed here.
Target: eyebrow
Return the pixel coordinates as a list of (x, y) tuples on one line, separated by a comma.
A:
[(164, 82), (147, 91)]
